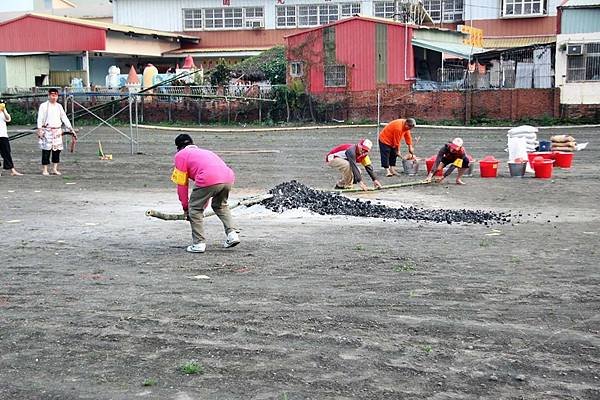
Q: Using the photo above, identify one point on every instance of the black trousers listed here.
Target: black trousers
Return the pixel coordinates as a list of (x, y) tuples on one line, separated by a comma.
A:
[(46, 156), (5, 153), (388, 155)]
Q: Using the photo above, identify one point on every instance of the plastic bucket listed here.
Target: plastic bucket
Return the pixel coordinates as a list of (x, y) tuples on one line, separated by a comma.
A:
[(429, 163), (545, 145), (410, 167), (517, 169), (563, 159), (543, 168), (488, 169)]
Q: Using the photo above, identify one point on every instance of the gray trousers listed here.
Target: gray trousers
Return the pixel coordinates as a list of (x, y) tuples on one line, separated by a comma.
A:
[(198, 199)]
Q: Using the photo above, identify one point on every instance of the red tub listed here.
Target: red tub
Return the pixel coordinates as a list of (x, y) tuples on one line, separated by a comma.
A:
[(543, 168), (563, 159), (488, 167), (429, 163)]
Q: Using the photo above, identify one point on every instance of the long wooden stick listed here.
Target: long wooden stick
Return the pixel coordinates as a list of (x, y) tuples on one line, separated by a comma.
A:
[(394, 186), (247, 201)]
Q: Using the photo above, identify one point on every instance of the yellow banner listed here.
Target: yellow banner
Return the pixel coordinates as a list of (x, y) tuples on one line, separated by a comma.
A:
[(475, 37)]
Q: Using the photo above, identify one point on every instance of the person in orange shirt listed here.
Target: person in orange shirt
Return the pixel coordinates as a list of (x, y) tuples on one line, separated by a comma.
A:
[(389, 143)]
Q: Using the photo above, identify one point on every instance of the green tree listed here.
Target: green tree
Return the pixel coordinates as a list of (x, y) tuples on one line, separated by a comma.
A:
[(269, 65), (221, 74)]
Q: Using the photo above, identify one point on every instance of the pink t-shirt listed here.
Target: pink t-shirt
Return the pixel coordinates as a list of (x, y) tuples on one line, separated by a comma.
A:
[(202, 166)]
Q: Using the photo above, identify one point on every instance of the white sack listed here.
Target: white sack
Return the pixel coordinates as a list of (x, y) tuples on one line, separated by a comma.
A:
[(517, 148), (523, 129)]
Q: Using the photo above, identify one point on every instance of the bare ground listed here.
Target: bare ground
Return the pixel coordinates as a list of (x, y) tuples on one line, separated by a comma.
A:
[(96, 298)]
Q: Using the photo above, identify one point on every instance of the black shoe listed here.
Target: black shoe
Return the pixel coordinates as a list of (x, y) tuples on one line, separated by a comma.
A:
[(338, 187)]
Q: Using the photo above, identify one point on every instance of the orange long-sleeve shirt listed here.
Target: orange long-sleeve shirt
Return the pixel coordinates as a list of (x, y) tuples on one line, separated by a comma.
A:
[(393, 133)]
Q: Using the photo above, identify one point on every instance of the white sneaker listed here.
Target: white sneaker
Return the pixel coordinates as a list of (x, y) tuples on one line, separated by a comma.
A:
[(196, 248), (232, 240)]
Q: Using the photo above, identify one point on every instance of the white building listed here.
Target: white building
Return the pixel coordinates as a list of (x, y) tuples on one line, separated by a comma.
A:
[(578, 53)]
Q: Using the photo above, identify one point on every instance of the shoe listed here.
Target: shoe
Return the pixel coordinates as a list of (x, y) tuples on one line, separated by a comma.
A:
[(232, 240), (196, 248), (338, 187)]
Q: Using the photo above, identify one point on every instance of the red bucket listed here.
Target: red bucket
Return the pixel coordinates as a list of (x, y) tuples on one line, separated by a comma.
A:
[(563, 159), (543, 168), (488, 167), (429, 163), (546, 155)]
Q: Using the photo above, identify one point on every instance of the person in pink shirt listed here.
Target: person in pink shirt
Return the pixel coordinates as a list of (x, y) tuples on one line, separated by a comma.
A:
[(213, 179)]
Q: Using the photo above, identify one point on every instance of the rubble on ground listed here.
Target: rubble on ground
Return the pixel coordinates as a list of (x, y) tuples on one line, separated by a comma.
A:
[(292, 195)]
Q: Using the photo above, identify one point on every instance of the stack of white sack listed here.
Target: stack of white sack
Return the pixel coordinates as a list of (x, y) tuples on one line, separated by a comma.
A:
[(563, 143), (527, 134)]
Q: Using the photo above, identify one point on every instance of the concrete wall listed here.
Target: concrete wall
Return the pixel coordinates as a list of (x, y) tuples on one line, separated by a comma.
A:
[(22, 70), (585, 92)]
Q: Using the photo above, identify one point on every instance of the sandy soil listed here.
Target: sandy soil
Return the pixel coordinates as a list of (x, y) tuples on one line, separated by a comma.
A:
[(96, 298)]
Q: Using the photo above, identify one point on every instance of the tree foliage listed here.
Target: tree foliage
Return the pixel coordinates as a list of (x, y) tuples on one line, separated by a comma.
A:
[(221, 74), (269, 65)]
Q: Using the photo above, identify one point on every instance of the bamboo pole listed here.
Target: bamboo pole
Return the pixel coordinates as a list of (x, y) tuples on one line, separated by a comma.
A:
[(385, 187), (247, 201)]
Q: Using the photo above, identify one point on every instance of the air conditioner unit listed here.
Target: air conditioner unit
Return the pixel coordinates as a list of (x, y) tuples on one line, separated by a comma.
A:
[(257, 25), (575, 49)]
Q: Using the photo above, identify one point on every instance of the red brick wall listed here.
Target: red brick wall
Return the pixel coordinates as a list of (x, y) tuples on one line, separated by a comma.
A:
[(589, 112), (507, 104)]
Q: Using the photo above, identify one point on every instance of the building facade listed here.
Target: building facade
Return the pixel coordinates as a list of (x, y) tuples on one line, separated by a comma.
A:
[(578, 53)]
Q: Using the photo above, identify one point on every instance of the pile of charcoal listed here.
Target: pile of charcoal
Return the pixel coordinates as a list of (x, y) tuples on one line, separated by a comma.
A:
[(291, 195)]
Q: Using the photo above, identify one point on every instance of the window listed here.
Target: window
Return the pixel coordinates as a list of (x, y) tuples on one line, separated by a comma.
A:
[(223, 18), (585, 67), (192, 19), (349, 9), (286, 16), (385, 9), (308, 15), (452, 10), (519, 8), (335, 75), (254, 17), (328, 13), (296, 69)]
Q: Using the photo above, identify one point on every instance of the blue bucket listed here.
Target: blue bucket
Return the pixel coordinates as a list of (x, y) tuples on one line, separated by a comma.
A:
[(545, 145)]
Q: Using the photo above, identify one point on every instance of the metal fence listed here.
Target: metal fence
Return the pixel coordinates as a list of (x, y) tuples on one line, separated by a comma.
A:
[(521, 68)]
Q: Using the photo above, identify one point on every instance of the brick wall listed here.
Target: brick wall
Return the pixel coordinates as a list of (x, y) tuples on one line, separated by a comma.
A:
[(506, 104), (590, 112)]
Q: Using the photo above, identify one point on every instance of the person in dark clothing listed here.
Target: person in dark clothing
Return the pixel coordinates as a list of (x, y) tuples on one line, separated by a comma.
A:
[(451, 153), (346, 157)]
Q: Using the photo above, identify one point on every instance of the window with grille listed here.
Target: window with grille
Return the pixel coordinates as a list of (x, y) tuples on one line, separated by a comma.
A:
[(308, 15), (349, 9), (254, 17), (328, 13), (585, 67), (192, 19), (296, 69), (385, 9), (335, 75), (286, 17), (215, 18), (519, 8)]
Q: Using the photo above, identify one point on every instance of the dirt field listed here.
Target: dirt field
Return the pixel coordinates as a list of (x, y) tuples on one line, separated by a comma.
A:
[(97, 299)]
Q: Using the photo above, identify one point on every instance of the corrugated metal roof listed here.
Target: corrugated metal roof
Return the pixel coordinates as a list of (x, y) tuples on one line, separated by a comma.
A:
[(457, 49), (580, 3), (105, 26), (217, 50), (512, 42)]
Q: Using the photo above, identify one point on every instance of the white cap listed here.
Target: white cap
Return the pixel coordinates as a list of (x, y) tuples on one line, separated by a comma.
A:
[(458, 142), (366, 144)]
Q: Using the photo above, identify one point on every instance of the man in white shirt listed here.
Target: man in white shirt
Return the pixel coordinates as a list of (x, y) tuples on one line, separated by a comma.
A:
[(4, 143), (51, 116)]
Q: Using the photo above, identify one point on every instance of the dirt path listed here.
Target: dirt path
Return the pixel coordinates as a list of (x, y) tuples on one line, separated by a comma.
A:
[(97, 298)]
